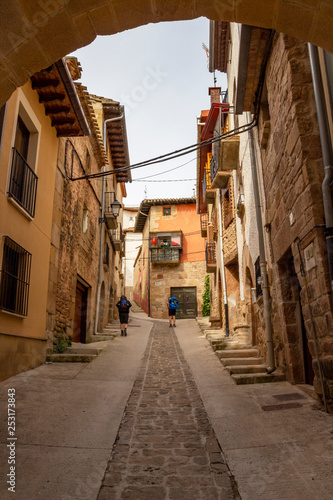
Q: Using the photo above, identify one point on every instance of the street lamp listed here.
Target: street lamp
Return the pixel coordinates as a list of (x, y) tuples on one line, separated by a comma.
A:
[(115, 208)]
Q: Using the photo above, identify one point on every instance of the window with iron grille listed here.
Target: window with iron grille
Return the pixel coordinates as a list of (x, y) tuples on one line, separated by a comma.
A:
[(15, 278), (258, 277)]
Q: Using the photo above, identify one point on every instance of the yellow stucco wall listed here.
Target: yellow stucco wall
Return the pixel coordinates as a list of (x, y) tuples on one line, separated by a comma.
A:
[(34, 235)]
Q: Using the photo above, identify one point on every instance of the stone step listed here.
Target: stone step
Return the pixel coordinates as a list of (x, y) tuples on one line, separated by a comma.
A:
[(257, 378), (246, 369), (70, 358), (100, 337), (83, 350), (239, 361), (238, 353)]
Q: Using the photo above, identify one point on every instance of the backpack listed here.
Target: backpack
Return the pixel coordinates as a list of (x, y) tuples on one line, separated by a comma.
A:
[(173, 303), (123, 305)]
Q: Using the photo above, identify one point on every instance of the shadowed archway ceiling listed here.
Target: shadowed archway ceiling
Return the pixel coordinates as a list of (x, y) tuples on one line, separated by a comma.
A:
[(34, 34)]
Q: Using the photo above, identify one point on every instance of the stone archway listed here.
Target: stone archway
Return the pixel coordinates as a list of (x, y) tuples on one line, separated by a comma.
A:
[(33, 34)]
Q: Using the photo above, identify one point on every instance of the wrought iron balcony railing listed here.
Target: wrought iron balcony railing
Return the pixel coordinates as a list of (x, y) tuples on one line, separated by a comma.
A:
[(117, 238), (23, 184)]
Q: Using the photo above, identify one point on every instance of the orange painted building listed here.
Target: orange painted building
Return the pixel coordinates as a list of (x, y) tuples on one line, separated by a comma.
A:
[(172, 260)]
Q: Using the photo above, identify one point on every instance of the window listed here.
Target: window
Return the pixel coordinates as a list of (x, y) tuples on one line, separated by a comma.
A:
[(165, 247), (165, 240), (166, 210), (15, 278), (85, 220), (23, 179), (106, 261)]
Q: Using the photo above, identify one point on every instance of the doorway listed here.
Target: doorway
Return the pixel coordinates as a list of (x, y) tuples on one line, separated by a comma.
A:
[(300, 359), (80, 318), (187, 301)]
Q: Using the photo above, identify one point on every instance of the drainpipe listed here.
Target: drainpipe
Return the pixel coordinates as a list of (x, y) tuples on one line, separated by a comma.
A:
[(326, 147), (99, 282), (224, 283), (263, 263)]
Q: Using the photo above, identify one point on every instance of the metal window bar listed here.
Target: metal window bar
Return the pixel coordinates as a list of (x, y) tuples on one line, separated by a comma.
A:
[(164, 254), (258, 277), (23, 183), (15, 278), (210, 253)]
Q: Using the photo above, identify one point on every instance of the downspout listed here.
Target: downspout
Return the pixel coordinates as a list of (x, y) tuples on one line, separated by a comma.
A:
[(99, 282), (326, 147), (263, 263), (224, 283)]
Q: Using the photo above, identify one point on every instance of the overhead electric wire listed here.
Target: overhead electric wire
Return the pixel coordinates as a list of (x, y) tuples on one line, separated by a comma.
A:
[(165, 180), (175, 154), (165, 171), (194, 147)]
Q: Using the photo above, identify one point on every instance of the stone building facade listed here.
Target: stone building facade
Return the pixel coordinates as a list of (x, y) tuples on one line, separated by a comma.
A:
[(30, 130), (85, 277), (171, 259), (274, 94)]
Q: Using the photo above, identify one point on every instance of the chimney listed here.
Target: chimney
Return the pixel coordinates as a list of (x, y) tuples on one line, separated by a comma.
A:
[(214, 93)]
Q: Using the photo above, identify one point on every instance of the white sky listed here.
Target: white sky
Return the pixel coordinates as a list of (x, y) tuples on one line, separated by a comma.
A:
[(160, 73)]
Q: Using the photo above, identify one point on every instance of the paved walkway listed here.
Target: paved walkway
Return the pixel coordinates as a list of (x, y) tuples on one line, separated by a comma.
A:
[(174, 407), (166, 447)]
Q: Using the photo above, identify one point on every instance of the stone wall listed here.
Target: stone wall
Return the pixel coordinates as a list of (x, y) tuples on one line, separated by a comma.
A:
[(292, 175), (164, 277)]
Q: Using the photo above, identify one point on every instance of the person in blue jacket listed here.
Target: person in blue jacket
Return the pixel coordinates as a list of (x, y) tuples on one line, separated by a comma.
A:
[(172, 307)]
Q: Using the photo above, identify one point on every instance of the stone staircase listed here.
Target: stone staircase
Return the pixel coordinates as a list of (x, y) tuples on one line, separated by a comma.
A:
[(245, 367), (85, 353), (110, 331), (237, 355), (76, 353)]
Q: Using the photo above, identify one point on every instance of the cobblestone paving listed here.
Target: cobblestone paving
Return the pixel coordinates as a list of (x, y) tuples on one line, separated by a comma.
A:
[(166, 448)]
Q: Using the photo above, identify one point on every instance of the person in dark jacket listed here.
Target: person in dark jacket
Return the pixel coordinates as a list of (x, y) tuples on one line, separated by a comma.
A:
[(123, 308)]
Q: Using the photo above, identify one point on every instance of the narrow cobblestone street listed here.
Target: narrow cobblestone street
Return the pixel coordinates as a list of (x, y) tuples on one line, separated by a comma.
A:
[(166, 447)]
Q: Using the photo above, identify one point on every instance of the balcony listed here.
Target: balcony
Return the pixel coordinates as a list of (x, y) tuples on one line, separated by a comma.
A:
[(204, 224), (23, 184), (219, 177), (210, 257), (170, 256), (224, 162), (117, 239), (207, 190), (110, 219)]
